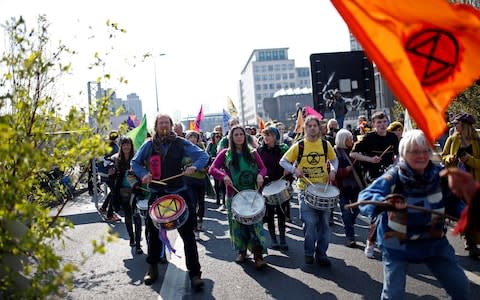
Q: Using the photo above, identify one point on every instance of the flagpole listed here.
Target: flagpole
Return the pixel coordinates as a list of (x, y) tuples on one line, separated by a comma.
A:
[(155, 75)]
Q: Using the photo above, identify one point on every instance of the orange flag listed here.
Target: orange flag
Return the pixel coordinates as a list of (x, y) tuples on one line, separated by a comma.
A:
[(299, 123), (427, 50), (261, 124)]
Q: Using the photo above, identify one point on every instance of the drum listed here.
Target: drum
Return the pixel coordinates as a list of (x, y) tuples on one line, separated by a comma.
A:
[(277, 192), (168, 212), (318, 198), (142, 207), (248, 207)]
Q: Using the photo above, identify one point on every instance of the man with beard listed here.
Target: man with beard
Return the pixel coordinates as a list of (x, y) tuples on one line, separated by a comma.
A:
[(160, 158)]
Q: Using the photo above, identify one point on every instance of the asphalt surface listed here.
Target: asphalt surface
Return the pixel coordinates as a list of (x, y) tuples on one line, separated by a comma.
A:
[(119, 273)]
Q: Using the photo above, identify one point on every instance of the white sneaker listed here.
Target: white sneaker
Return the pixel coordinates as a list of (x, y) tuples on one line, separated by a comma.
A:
[(222, 207), (197, 235), (370, 250)]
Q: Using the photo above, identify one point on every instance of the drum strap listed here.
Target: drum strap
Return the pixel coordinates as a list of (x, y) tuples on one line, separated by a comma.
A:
[(301, 147)]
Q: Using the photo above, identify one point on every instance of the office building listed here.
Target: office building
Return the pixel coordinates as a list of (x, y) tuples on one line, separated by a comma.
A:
[(266, 72)]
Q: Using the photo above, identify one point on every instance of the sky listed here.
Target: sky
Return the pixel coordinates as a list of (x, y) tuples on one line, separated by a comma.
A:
[(206, 44)]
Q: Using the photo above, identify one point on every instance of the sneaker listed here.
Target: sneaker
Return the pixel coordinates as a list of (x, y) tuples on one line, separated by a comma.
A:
[(370, 250), (102, 210), (139, 250), (222, 207), (197, 234), (197, 282), (309, 260), (324, 261)]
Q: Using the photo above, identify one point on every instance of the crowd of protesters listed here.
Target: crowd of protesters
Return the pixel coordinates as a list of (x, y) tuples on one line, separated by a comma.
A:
[(367, 163)]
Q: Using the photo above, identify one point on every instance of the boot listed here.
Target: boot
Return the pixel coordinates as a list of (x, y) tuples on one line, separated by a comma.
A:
[(151, 275), (258, 257), (242, 256)]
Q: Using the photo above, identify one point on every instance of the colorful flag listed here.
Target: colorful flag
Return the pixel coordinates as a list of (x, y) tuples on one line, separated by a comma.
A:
[(299, 123), (231, 108), (407, 122), (138, 134), (199, 118), (191, 125), (261, 124), (131, 122), (226, 118), (310, 111), (426, 50)]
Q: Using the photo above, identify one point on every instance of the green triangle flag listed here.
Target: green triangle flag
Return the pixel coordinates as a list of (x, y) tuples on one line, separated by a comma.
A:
[(139, 134)]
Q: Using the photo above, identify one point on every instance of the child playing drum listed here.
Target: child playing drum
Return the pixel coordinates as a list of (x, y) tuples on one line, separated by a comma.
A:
[(241, 168)]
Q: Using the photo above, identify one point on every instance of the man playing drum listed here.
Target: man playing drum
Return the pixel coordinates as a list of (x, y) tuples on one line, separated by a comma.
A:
[(161, 158), (307, 160)]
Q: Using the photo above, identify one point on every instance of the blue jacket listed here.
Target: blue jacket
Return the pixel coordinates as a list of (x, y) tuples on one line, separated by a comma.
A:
[(413, 235), (199, 157)]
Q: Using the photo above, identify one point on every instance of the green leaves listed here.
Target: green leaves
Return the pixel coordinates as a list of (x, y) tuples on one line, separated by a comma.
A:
[(34, 138)]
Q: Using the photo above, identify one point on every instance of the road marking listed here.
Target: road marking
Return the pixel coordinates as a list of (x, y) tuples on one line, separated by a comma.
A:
[(174, 283), (473, 277)]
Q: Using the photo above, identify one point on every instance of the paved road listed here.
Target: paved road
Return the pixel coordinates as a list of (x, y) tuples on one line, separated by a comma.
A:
[(118, 274)]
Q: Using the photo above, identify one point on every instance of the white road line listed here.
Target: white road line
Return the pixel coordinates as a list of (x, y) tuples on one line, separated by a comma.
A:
[(174, 283)]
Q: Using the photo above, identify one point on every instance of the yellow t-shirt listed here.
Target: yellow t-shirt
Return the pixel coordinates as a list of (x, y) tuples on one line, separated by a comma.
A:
[(312, 163)]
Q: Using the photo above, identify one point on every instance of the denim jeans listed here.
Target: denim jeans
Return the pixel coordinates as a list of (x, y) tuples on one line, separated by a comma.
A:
[(349, 215), (444, 267), (315, 229)]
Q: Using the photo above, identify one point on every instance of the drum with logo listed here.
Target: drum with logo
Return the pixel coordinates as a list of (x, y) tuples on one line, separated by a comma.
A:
[(277, 192), (168, 212), (248, 207), (322, 197)]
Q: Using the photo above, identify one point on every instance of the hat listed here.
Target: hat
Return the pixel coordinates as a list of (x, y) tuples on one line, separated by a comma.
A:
[(394, 126), (113, 135), (464, 118), (274, 132)]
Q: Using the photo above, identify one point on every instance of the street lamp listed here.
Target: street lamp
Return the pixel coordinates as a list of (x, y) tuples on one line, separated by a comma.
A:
[(155, 74)]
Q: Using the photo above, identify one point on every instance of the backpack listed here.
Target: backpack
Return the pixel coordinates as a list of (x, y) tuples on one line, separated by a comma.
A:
[(301, 146)]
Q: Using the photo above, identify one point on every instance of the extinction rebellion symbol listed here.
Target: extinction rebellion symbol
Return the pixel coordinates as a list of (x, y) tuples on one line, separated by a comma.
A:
[(433, 54)]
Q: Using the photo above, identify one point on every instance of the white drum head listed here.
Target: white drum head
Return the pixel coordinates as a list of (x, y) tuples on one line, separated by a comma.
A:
[(275, 187), (247, 203), (318, 189)]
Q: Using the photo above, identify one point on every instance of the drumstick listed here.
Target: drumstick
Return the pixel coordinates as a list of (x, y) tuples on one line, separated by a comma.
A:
[(385, 204), (235, 189), (159, 182), (171, 177), (388, 148), (307, 180), (326, 187)]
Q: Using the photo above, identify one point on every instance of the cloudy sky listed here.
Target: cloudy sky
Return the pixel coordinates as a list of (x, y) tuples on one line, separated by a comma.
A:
[(207, 43)]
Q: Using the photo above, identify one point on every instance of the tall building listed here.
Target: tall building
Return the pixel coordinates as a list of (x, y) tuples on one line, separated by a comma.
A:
[(133, 105), (267, 71)]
